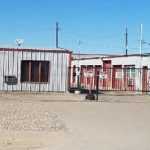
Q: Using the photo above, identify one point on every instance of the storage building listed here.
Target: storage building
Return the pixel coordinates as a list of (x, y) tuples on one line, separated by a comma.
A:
[(37, 70), (116, 72)]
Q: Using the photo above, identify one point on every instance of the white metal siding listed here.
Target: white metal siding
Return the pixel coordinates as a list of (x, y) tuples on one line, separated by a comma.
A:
[(10, 64)]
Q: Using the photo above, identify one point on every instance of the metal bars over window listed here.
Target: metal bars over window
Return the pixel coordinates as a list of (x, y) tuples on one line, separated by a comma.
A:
[(35, 71)]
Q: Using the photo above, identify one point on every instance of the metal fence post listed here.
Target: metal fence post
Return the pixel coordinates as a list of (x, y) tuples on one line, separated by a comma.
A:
[(78, 78)]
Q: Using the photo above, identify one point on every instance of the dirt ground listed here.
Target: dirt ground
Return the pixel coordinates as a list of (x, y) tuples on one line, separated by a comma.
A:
[(68, 122)]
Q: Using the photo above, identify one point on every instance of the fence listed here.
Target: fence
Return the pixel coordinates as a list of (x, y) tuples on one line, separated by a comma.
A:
[(110, 79)]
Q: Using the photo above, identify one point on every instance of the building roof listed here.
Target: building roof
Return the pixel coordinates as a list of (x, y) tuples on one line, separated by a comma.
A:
[(54, 50), (88, 56), (130, 55), (77, 56)]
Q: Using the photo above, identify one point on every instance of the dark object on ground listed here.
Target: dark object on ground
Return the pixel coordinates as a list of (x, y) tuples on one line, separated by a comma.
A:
[(90, 97)]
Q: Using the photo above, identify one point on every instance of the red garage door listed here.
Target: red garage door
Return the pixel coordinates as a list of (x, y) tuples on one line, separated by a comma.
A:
[(107, 72)]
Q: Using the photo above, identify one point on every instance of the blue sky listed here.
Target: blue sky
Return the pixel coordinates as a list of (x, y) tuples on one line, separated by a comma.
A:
[(99, 24)]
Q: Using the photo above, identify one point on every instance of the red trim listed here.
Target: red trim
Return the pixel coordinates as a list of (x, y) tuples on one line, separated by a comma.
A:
[(70, 59)]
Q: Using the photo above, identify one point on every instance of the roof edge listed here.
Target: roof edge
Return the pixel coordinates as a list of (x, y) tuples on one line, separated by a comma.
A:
[(56, 50), (131, 55)]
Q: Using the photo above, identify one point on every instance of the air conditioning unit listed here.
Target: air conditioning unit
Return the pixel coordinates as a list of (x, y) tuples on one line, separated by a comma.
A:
[(10, 80)]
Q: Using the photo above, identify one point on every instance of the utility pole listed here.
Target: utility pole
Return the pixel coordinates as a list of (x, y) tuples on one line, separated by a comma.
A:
[(126, 41), (141, 47), (141, 39), (57, 34), (79, 74)]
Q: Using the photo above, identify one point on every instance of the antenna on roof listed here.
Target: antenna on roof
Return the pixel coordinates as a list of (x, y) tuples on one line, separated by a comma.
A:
[(19, 42)]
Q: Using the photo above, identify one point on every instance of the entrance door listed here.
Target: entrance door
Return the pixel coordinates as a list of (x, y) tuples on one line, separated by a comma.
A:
[(107, 72), (82, 77), (98, 70), (117, 77), (129, 77)]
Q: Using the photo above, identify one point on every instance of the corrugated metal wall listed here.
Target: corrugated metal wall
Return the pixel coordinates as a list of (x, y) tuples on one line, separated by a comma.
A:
[(10, 64)]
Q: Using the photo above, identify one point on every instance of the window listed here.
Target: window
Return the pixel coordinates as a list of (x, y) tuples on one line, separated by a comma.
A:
[(25, 71), (35, 71), (130, 71), (44, 71), (117, 72), (133, 73)]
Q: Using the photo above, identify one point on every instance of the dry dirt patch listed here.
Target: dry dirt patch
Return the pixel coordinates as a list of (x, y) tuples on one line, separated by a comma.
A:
[(39, 123)]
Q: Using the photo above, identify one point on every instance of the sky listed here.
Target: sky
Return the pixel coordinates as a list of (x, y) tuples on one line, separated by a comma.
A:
[(99, 25)]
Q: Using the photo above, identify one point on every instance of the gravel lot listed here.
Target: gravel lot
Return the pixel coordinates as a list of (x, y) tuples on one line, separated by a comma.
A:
[(68, 122)]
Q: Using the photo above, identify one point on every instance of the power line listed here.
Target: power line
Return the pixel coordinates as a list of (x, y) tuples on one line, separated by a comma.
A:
[(147, 43)]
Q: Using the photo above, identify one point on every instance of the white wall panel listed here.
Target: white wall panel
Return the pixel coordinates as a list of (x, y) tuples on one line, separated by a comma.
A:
[(6, 54), (50, 85), (20, 56), (1, 70), (14, 73), (10, 64)]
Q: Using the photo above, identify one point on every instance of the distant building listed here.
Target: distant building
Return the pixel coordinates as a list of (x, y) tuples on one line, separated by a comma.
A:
[(37, 70), (117, 72)]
